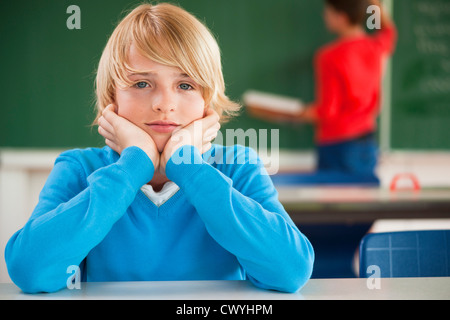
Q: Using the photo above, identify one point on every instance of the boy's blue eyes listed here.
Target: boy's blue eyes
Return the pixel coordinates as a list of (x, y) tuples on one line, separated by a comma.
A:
[(143, 84), (185, 86)]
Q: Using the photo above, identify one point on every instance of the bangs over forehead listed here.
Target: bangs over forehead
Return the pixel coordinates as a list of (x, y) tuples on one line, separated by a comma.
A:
[(170, 36)]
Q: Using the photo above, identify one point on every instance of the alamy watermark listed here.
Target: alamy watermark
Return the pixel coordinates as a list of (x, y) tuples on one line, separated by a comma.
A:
[(374, 21), (74, 20), (374, 280), (74, 280), (256, 140)]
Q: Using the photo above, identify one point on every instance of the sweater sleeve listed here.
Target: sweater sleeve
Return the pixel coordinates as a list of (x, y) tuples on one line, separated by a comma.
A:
[(244, 216), (73, 215), (386, 38)]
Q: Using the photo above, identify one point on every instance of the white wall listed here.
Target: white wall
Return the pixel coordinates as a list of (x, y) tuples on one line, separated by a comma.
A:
[(22, 176), (24, 172)]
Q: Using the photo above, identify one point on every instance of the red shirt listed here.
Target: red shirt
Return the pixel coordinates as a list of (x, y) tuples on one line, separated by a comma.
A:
[(348, 80)]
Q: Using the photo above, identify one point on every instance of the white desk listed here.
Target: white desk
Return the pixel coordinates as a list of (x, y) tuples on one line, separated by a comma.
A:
[(315, 289)]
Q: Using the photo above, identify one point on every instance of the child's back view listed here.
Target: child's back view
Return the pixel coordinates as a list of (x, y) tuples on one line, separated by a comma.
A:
[(348, 74)]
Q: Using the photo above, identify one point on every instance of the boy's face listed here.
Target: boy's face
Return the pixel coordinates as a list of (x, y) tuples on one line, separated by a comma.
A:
[(161, 99)]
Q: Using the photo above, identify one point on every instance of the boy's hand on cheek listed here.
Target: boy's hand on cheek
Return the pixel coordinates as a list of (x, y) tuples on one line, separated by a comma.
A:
[(198, 133), (119, 134)]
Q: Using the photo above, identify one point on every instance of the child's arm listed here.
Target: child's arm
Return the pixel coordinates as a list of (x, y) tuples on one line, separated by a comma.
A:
[(386, 37), (309, 114), (244, 216), (386, 20), (76, 212), (73, 215)]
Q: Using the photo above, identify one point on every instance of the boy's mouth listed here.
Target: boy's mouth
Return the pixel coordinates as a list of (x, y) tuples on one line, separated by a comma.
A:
[(162, 126)]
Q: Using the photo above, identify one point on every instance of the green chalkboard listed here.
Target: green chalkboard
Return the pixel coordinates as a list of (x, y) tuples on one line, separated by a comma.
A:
[(420, 107), (48, 71)]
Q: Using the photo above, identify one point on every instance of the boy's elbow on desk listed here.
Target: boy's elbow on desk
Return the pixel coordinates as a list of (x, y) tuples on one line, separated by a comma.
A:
[(290, 282), (29, 279), (295, 273), (28, 274), (31, 284), (291, 276), (301, 269)]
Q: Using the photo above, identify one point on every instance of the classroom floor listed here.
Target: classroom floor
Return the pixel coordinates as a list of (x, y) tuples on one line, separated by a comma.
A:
[(334, 246)]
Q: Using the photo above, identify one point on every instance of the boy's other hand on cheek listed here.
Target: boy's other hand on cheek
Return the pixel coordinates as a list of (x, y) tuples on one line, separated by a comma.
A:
[(119, 134), (198, 133)]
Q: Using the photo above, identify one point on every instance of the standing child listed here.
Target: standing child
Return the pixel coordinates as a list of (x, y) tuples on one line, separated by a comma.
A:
[(159, 202), (348, 79)]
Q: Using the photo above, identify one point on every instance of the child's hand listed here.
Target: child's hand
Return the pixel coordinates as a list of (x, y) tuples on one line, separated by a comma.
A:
[(198, 133), (119, 133)]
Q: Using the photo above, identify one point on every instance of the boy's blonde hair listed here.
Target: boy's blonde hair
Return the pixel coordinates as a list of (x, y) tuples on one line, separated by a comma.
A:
[(171, 36)]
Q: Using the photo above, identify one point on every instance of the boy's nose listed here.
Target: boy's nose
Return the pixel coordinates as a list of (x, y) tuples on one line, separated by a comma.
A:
[(164, 102)]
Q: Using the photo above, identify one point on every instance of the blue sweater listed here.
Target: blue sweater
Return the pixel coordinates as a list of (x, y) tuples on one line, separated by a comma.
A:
[(225, 222)]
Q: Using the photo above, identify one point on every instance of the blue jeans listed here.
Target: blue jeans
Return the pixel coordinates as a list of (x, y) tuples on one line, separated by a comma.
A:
[(349, 162)]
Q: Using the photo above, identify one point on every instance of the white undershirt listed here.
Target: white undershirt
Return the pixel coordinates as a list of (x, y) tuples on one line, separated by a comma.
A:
[(158, 198)]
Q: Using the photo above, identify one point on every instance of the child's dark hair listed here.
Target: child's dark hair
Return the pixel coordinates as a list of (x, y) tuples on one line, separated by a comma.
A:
[(354, 9)]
